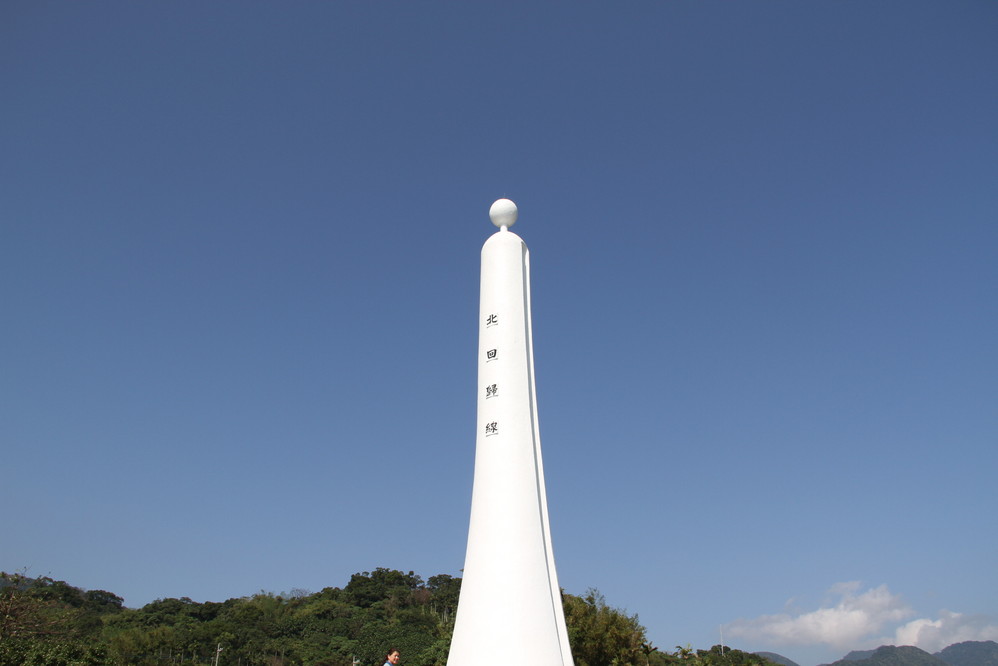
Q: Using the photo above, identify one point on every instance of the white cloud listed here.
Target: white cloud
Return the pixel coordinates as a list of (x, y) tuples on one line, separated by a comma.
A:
[(862, 620), (934, 635), (847, 624)]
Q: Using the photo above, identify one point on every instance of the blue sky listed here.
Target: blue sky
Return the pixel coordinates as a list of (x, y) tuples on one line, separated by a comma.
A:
[(239, 249)]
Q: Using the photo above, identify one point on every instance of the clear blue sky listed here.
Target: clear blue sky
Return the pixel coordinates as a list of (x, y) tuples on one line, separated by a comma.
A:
[(239, 248)]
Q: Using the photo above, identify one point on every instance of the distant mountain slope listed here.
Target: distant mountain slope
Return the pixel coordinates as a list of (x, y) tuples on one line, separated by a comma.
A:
[(856, 655), (970, 653), (889, 655), (777, 658)]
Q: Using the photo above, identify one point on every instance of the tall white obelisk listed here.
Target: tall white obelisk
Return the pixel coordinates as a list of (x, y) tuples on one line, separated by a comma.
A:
[(510, 611)]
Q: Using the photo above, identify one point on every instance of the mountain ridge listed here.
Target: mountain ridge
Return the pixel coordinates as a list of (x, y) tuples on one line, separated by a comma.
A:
[(965, 653)]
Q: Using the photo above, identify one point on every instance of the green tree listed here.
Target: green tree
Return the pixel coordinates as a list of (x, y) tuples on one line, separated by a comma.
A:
[(365, 589), (45, 622), (601, 635), (415, 643), (716, 656), (25, 611), (445, 591)]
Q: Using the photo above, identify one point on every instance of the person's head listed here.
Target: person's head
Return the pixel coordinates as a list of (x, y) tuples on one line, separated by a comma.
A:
[(393, 657)]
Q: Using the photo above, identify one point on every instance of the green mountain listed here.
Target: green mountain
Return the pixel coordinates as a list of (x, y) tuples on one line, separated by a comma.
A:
[(857, 655), (890, 655), (777, 658), (970, 653)]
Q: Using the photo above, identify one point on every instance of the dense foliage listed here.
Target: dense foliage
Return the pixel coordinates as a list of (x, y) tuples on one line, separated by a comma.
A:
[(44, 622)]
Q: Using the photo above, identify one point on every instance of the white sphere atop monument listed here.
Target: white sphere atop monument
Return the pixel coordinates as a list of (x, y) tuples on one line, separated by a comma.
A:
[(503, 213)]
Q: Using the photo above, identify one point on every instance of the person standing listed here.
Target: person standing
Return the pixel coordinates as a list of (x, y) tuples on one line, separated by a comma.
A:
[(393, 658)]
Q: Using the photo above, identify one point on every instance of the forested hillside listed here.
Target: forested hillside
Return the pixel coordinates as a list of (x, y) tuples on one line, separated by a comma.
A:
[(45, 622), (890, 655)]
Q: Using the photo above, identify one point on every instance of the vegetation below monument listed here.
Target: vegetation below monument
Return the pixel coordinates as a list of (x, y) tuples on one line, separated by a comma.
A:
[(45, 622)]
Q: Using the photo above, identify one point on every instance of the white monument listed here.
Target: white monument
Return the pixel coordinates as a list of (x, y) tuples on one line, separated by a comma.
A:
[(510, 610)]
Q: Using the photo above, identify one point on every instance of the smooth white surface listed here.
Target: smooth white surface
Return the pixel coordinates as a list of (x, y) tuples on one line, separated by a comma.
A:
[(503, 213), (510, 608)]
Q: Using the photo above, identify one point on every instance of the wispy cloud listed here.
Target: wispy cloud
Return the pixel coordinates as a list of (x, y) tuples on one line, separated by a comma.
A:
[(864, 619)]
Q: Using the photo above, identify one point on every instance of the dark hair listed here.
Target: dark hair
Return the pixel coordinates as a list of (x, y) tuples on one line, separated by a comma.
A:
[(392, 651)]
